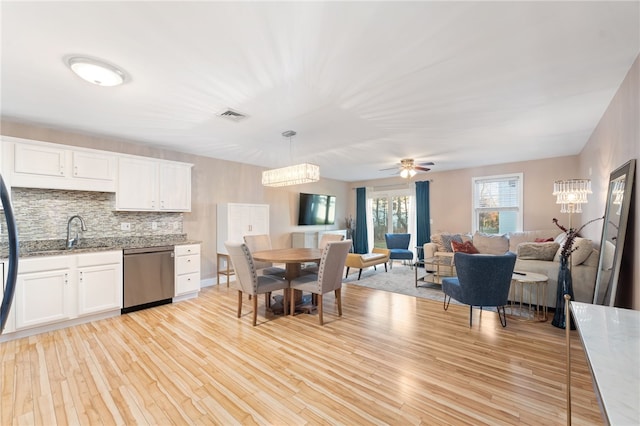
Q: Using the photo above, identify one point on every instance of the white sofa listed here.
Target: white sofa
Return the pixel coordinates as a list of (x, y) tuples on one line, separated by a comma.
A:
[(584, 262)]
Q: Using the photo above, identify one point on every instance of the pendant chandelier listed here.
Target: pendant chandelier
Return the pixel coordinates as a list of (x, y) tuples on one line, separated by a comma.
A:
[(291, 175), (571, 194)]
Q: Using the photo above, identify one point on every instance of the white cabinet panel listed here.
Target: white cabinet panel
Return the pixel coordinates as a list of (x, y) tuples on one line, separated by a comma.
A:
[(187, 269), (235, 220), (39, 160), (51, 166), (152, 185), (42, 298), (136, 188), (99, 282), (175, 187), (87, 165)]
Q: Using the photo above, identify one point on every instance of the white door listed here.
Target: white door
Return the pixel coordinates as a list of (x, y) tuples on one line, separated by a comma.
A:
[(137, 180), (41, 298), (175, 187), (99, 288)]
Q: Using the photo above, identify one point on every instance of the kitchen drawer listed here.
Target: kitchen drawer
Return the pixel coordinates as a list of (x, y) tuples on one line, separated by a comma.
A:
[(188, 283), (187, 249), (187, 264)]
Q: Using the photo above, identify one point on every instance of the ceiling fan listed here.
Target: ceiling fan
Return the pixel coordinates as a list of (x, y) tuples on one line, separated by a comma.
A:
[(408, 168)]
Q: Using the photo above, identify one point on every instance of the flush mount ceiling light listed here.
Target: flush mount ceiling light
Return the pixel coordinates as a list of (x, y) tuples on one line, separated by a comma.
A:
[(95, 71), (291, 175)]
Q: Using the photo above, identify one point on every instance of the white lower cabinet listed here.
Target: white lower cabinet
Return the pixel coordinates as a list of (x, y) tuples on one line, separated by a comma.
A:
[(99, 282), (187, 269), (44, 291), (54, 289)]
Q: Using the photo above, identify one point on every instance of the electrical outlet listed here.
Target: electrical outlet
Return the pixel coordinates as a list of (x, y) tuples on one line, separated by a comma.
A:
[(154, 225), (124, 226)]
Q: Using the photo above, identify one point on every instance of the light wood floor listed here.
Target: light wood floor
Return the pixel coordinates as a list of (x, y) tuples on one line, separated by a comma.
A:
[(391, 359)]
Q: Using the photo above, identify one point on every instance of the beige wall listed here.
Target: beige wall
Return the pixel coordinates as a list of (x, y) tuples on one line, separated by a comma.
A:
[(615, 141), (450, 192), (213, 181)]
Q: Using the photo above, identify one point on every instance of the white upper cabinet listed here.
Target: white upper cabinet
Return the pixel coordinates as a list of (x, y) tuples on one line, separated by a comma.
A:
[(153, 185), (33, 164)]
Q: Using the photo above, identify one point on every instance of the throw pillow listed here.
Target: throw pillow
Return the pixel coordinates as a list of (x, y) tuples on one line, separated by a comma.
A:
[(583, 248), (490, 243), (466, 247), (538, 251), (543, 240), (449, 239)]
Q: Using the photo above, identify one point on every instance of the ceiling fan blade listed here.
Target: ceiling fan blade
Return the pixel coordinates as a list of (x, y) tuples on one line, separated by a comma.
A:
[(389, 168), (423, 169), (428, 163)]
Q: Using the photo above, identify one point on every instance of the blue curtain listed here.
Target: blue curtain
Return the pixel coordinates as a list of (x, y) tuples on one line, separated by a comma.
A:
[(423, 222), (360, 243)]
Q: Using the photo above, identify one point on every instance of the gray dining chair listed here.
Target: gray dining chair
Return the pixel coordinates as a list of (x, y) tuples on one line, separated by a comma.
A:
[(248, 281), (329, 277), (259, 243)]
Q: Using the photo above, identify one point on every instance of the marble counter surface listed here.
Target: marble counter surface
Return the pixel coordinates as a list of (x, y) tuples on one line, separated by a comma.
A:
[(57, 247), (611, 339)]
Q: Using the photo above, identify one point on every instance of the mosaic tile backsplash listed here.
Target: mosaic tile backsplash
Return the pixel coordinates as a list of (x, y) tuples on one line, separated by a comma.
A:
[(42, 214)]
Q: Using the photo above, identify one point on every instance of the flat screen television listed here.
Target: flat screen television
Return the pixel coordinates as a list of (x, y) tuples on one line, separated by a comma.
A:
[(317, 209)]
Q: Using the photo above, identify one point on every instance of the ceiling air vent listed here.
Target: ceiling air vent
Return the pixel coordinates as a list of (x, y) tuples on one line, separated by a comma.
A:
[(232, 115)]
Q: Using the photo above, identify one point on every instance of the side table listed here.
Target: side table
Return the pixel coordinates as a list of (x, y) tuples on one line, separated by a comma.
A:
[(441, 266), (226, 272), (531, 281)]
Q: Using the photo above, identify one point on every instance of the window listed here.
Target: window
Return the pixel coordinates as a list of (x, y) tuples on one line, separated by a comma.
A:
[(390, 213), (497, 203)]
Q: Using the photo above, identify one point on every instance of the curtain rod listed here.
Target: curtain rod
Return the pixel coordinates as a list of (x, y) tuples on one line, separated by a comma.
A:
[(398, 185)]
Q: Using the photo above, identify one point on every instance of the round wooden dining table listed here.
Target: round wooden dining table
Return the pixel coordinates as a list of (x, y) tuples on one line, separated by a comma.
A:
[(293, 258)]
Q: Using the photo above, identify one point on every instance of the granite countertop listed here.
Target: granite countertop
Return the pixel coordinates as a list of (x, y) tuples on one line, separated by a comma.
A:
[(57, 247)]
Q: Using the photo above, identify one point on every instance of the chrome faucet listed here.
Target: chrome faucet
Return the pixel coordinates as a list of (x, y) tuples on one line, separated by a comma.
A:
[(71, 242)]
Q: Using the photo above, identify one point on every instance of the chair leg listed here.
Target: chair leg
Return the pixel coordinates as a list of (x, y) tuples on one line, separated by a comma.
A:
[(503, 317), (385, 267), (239, 303), (320, 309), (292, 302), (338, 294), (255, 310), (347, 273), (285, 301), (445, 302), (390, 264), (359, 273), (471, 315), (267, 298)]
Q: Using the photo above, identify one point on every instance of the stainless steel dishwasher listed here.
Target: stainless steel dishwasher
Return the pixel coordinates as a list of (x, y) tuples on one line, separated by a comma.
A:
[(148, 277)]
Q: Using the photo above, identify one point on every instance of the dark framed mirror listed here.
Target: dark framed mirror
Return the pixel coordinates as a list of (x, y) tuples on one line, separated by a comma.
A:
[(614, 231)]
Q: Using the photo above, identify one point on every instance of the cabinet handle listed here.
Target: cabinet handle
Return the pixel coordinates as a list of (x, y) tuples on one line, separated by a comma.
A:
[(66, 278), (80, 276), (75, 170), (188, 260), (61, 168)]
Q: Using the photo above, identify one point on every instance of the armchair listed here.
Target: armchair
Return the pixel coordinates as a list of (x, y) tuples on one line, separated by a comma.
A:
[(398, 245), (483, 280)]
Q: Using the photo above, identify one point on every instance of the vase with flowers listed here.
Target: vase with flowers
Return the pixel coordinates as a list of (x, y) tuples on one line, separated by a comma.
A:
[(565, 283)]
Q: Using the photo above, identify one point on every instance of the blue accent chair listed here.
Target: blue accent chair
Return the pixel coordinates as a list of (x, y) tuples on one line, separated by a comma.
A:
[(483, 280), (398, 244)]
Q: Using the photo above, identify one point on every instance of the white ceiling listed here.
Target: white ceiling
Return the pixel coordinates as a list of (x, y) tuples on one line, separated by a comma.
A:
[(363, 83)]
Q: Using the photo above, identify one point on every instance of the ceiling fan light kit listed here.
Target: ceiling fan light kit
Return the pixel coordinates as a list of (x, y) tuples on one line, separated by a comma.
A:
[(291, 175), (96, 72)]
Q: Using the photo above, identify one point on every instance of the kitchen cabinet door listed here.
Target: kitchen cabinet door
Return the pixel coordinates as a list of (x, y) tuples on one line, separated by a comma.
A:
[(42, 298), (10, 325), (94, 166), (39, 160), (99, 282), (175, 187), (137, 184)]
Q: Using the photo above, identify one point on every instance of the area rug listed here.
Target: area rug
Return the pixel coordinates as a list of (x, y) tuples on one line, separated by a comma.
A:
[(400, 279)]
